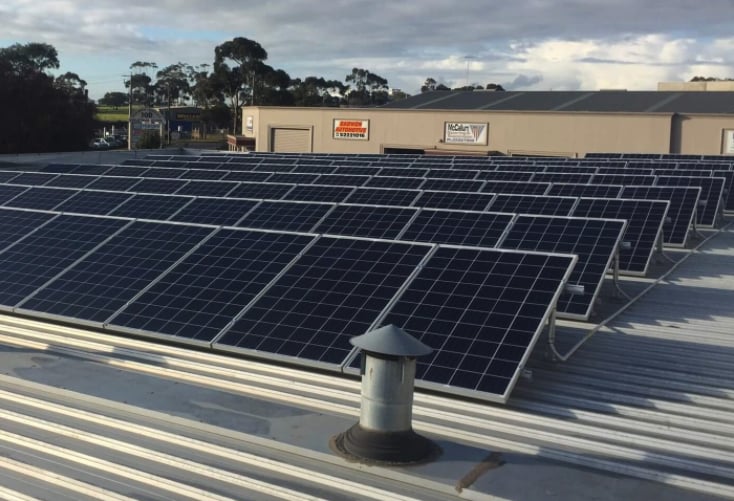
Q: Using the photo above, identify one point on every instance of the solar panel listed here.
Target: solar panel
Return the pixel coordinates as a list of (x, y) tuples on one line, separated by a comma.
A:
[(506, 175), (380, 196), (568, 168), (216, 211), (366, 221), (478, 229), (594, 241), (452, 185), (343, 179), (683, 204), (435, 173), (163, 172), (206, 291), (623, 179), (481, 311), (203, 174), (293, 178), (533, 204), (562, 177), (207, 188), (286, 216), (115, 272), (709, 202), (318, 193), (92, 170), (454, 200), (635, 171), (99, 203), (728, 176), (125, 170), (114, 183), (403, 183), (516, 188), (41, 198), (158, 186), (356, 171), (252, 177), (586, 190), (39, 257), (138, 161), (71, 181), (312, 169), (160, 207), (8, 192), (645, 220), (60, 168), (334, 291), (33, 178), (15, 224), (261, 190), (403, 172)]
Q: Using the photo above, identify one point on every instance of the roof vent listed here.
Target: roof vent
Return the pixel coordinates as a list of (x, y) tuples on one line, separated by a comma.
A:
[(384, 433)]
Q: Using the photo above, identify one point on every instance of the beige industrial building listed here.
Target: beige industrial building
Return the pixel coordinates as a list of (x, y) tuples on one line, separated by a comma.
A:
[(558, 123)]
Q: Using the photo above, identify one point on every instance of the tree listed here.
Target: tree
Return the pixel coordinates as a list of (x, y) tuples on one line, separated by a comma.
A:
[(430, 85), (172, 84), (495, 87), (316, 91), (236, 66), (114, 99), (48, 114), (369, 88), (141, 82)]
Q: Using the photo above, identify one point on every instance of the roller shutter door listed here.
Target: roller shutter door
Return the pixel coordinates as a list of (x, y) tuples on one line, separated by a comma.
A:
[(291, 140)]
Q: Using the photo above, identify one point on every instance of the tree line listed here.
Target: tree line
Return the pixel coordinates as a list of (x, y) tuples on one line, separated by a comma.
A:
[(55, 114)]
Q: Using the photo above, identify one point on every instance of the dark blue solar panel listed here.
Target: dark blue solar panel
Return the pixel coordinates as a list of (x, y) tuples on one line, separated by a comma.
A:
[(452, 174), (41, 198), (286, 216), (216, 211), (342, 179), (595, 241), (404, 183), (356, 171), (728, 176), (636, 171), (104, 281), (506, 176), (403, 172), (60, 168), (481, 311), (562, 177), (98, 203), (380, 196), (114, 183), (160, 207), (6, 176), (480, 229), (163, 172), (623, 179), (206, 291), (586, 190), (71, 181), (33, 178), (452, 185), (203, 174), (515, 187), (366, 221), (533, 204), (138, 161), (454, 200), (45, 253), (158, 186), (318, 193), (8, 192), (288, 177), (334, 291), (712, 191), (207, 188), (645, 220), (683, 204), (251, 177), (15, 224), (126, 171), (91, 170), (312, 169), (273, 191)]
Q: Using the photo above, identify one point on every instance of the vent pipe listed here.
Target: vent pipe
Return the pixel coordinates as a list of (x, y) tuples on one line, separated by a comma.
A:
[(384, 433)]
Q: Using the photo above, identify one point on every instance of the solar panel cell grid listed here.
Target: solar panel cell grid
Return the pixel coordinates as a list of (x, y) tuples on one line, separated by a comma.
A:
[(533, 204), (114, 183), (406, 183), (478, 229), (454, 200), (104, 281), (207, 188), (379, 196), (481, 311), (319, 193), (334, 291), (216, 211), (71, 181), (41, 198), (586, 190), (98, 203), (160, 207), (286, 216), (366, 221), (206, 291), (261, 190)]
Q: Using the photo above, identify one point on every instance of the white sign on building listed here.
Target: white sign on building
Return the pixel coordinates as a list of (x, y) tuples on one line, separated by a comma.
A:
[(466, 133), (727, 148)]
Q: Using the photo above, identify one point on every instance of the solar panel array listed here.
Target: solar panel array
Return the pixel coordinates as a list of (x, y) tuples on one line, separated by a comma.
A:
[(288, 256)]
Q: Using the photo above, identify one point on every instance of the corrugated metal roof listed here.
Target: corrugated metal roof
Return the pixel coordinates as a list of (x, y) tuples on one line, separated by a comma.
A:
[(573, 101)]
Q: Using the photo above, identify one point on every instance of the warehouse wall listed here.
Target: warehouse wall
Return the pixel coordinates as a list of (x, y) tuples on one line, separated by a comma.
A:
[(542, 133)]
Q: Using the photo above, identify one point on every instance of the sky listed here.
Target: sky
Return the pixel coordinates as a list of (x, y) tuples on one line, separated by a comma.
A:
[(521, 45)]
